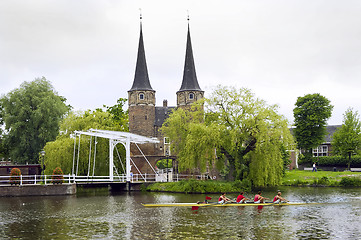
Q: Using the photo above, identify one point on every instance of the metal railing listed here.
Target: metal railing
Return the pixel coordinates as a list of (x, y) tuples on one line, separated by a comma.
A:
[(53, 179)]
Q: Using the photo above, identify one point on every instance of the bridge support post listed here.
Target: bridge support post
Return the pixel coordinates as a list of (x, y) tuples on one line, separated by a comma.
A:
[(128, 186), (127, 159), (111, 160)]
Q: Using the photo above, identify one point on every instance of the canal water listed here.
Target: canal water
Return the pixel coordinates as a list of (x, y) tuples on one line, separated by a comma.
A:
[(100, 215)]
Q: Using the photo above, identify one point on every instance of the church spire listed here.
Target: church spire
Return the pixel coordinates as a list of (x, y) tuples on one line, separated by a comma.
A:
[(141, 78), (190, 91), (190, 81)]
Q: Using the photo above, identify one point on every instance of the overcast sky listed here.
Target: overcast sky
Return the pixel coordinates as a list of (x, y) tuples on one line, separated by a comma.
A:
[(280, 49)]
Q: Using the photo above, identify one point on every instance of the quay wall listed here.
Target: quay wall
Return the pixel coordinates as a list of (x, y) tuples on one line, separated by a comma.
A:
[(37, 190)]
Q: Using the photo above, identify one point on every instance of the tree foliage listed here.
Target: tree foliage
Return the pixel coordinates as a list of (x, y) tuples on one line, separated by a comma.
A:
[(60, 153), (311, 114), (346, 141), (235, 130), (31, 115), (119, 115)]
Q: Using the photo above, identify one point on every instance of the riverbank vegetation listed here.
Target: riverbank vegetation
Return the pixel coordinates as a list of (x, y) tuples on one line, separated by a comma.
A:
[(200, 186), (321, 178), (291, 178)]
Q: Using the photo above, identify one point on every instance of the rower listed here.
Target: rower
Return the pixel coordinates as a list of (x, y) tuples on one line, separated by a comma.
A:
[(223, 199), (241, 198), (258, 198), (278, 198)]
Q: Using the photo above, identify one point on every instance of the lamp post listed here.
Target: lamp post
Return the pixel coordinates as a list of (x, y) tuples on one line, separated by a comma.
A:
[(167, 155), (42, 161)]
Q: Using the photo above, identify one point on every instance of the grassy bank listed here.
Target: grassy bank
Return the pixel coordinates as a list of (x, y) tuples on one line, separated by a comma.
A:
[(198, 186), (291, 178), (323, 178)]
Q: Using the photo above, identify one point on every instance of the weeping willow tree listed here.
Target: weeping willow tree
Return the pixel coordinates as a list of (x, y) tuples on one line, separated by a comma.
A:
[(235, 130), (60, 153)]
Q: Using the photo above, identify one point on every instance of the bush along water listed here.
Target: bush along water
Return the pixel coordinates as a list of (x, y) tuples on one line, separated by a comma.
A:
[(57, 177), (199, 186), (15, 176), (350, 182)]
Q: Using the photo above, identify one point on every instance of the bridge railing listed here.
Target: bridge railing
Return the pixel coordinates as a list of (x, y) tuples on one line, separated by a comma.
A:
[(34, 179), (48, 179)]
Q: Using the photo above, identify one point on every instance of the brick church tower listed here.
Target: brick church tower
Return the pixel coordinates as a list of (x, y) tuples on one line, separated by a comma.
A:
[(141, 97), (190, 91), (144, 117)]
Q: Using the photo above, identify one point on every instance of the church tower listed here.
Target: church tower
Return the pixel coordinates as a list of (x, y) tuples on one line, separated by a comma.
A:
[(141, 97), (190, 91)]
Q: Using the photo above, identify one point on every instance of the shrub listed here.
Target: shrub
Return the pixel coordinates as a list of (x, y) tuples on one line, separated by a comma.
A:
[(15, 176), (350, 181), (57, 177), (323, 181), (339, 161)]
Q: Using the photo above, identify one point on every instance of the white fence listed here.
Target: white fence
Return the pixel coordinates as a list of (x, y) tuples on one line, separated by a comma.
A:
[(48, 179)]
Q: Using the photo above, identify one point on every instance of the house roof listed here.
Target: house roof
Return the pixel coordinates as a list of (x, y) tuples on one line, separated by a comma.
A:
[(331, 129)]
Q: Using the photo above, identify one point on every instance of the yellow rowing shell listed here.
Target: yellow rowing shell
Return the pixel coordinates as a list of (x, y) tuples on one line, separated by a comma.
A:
[(219, 205)]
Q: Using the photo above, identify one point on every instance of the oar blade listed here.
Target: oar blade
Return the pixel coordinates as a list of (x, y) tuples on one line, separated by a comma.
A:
[(195, 207)]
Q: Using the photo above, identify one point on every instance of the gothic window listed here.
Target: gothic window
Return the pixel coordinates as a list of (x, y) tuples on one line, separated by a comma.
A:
[(141, 96), (191, 96)]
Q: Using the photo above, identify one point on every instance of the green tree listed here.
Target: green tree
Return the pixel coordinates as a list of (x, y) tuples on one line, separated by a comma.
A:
[(311, 114), (31, 115), (60, 153), (346, 141), (236, 131), (119, 115)]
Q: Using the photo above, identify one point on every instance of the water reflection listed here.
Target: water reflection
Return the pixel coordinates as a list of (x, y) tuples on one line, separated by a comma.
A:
[(121, 216)]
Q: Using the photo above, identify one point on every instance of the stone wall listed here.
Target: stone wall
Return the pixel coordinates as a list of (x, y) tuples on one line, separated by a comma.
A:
[(37, 190)]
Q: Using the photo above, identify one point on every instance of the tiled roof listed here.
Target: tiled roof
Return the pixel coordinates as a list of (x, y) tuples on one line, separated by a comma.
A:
[(162, 113)]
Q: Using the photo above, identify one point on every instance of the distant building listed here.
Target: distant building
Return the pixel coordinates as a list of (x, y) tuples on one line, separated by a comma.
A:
[(26, 169), (325, 149), (145, 118)]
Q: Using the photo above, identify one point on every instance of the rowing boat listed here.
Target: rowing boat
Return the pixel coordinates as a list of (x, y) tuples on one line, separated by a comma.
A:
[(220, 205)]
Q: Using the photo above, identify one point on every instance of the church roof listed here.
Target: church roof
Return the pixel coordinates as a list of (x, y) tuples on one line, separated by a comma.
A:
[(162, 113), (141, 78), (190, 81)]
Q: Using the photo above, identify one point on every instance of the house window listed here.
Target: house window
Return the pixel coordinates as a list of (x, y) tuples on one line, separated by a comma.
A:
[(191, 96), (320, 151), (141, 96)]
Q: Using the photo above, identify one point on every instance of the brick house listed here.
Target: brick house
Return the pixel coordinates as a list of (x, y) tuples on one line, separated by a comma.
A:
[(325, 149)]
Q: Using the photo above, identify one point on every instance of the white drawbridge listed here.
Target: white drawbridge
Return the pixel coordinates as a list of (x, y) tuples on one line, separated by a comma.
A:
[(114, 137)]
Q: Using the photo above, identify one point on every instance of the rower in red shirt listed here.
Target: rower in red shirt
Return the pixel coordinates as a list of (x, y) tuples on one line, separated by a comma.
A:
[(241, 198), (223, 199), (259, 199), (278, 198)]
